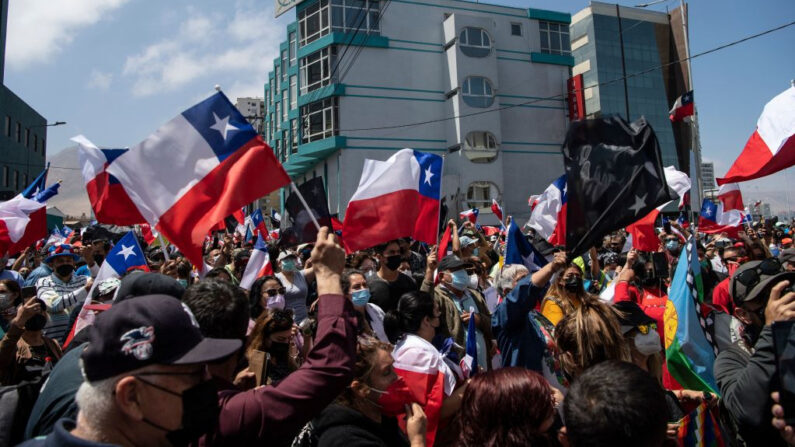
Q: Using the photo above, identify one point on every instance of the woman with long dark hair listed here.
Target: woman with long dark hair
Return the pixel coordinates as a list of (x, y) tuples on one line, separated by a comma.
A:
[(272, 334)]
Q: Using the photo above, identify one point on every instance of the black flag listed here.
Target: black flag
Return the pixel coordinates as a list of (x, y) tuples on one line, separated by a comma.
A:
[(296, 224), (615, 177)]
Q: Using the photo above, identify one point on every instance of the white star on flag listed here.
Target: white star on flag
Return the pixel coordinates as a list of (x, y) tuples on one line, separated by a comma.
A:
[(428, 175), (127, 251), (708, 212), (639, 203), (222, 125)]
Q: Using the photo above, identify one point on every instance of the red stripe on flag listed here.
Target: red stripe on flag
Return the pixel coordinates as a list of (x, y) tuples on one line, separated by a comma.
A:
[(644, 237), (757, 160), (248, 174), (428, 391), (110, 202)]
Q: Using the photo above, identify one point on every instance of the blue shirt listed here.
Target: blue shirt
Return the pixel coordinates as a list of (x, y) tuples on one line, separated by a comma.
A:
[(62, 438), (12, 274), (519, 339), (39, 272)]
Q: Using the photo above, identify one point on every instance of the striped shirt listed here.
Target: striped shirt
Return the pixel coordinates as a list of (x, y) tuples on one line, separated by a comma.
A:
[(60, 298)]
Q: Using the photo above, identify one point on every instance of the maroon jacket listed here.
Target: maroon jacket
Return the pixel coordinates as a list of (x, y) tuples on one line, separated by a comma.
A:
[(273, 415)]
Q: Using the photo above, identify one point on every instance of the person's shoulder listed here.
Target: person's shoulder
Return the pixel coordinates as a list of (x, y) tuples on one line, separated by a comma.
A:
[(406, 280)]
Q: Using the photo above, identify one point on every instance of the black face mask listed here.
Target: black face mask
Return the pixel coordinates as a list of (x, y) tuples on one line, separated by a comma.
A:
[(99, 259), (393, 262), (279, 349), (651, 282), (36, 323), (573, 285), (64, 270), (199, 412)]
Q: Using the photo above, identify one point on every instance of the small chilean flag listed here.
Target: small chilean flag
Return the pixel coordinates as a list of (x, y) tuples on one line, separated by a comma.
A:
[(771, 147), (396, 198), (258, 265), (549, 215), (727, 216), (470, 215), (495, 208), (683, 107)]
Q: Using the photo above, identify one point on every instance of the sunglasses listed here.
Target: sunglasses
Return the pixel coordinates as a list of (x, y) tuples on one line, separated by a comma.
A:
[(274, 292), (751, 277)]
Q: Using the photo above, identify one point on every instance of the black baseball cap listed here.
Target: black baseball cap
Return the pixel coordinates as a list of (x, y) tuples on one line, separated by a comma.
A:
[(740, 292), (138, 283), (148, 330), (451, 263)]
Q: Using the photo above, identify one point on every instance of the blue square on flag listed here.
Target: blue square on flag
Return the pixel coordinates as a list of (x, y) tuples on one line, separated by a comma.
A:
[(220, 124), (126, 254), (430, 175)]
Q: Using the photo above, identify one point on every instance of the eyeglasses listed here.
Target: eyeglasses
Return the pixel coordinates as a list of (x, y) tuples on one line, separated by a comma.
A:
[(274, 292), (751, 277)]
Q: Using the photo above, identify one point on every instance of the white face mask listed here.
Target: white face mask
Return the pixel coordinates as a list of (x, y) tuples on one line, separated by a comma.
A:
[(473, 281), (648, 344)]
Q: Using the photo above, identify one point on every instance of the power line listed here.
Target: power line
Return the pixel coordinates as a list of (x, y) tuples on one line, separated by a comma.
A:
[(562, 96)]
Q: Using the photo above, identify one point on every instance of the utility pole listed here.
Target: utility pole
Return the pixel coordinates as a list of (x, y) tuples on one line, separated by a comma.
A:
[(695, 193)]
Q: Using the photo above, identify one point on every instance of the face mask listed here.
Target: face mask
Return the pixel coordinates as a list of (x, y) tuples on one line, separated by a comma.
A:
[(393, 262), (288, 266), (183, 282), (460, 279), (64, 270), (199, 412), (473, 281), (394, 399), (476, 251), (99, 259), (275, 302), (649, 343), (279, 349), (672, 246), (573, 284), (5, 300), (774, 250), (360, 297), (650, 282), (36, 323)]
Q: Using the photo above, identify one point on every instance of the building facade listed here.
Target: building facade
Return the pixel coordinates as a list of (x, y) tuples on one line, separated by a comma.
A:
[(254, 111), (619, 49), (482, 84), (708, 176), (23, 131)]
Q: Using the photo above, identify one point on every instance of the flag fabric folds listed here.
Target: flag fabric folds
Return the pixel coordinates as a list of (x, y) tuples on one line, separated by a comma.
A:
[(548, 216), (615, 177), (258, 222), (644, 235), (726, 216), (258, 265), (395, 198), (689, 351), (518, 250), (700, 428), (109, 200), (22, 222), (470, 360), (297, 226), (203, 165), (683, 107), (771, 147), (497, 210), (38, 185), (470, 215)]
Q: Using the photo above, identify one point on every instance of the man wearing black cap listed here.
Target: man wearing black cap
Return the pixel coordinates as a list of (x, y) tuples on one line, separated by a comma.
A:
[(146, 378), (745, 371)]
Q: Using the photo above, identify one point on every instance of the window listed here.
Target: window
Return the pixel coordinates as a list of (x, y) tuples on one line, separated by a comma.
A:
[(284, 65), (35, 143), (277, 76), (294, 136), (19, 132), (25, 180), (8, 126), (474, 42), (477, 92), (316, 69), (279, 153), (277, 112), (43, 146), (480, 147), (5, 176), (285, 109), (319, 120), (554, 38), (360, 16), (16, 179), (480, 195), (293, 92), (313, 22), (27, 137), (516, 29), (293, 48)]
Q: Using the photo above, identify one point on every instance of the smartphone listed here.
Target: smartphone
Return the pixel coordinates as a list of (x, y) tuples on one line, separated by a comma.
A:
[(659, 264), (28, 292), (259, 364), (784, 343)]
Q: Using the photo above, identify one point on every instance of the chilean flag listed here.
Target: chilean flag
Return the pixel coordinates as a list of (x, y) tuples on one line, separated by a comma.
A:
[(683, 107), (125, 256), (258, 265), (549, 215), (148, 234), (495, 208), (198, 168), (518, 250), (259, 222), (771, 147), (470, 215), (22, 222), (396, 198), (110, 202), (726, 216)]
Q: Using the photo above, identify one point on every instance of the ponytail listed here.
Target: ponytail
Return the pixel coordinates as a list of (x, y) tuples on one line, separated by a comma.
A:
[(407, 318)]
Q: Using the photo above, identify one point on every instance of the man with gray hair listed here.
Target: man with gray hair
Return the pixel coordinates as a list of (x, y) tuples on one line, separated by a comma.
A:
[(146, 380), (510, 275)]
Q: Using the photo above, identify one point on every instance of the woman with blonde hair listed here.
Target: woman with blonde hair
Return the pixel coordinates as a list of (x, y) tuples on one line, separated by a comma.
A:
[(566, 293)]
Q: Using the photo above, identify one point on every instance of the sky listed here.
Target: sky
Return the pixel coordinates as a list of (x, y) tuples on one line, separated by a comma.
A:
[(115, 70)]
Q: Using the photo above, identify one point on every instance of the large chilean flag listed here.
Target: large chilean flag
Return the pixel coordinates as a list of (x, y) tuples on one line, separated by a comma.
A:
[(395, 198), (110, 202), (22, 222), (771, 147), (198, 168)]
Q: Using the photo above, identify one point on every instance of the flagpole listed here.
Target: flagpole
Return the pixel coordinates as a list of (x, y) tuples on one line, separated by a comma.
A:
[(695, 199), (163, 246), (306, 206), (439, 214)]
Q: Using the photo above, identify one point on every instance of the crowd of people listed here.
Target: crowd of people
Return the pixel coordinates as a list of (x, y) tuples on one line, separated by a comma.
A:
[(369, 348)]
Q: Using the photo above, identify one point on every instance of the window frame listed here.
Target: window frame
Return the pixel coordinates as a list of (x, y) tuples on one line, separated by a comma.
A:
[(293, 92), (519, 27), (340, 9), (486, 202), (321, 9), (293, 48), (481, 154), (325, 58), (327, 110), (473, 50), (466, 92), (554, 32)]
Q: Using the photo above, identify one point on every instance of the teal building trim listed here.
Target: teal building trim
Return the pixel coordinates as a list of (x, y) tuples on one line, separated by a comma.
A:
[(364, 40), (321, 93), (555, 59), (549, 16)]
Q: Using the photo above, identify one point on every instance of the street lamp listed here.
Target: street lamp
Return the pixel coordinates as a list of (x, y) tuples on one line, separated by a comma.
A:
[(57, 123)]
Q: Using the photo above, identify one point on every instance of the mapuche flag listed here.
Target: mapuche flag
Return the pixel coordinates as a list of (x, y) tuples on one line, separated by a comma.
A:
[(297, 226), (615, 177)]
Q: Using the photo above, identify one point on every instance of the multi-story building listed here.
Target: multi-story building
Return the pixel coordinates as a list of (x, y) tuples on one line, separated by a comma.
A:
[(254, 111), (483, 84), (708, 176), (23, 131), (620, 50)]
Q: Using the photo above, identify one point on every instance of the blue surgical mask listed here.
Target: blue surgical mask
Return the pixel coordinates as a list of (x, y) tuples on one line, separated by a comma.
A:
[(672, 245), (460, 279), (475, 252), (183, 282), (288, 265), (360, 297)]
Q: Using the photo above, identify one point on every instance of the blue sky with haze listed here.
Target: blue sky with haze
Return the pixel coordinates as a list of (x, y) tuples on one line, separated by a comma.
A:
[(115, 70)]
